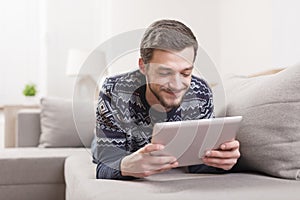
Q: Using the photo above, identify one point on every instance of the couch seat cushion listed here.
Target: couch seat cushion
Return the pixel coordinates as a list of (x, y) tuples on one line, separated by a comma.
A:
[(81, 184), (34, 165)]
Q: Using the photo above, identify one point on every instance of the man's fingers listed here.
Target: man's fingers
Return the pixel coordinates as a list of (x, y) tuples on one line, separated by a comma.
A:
[(230, 145), (167, 167), (219, 161), (223, 154), (161, 160), (224, 158), (150, 148), (161, 169), (225, 164)]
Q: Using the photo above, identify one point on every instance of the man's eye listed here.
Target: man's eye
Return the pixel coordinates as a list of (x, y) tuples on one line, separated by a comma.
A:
[(186, 74)]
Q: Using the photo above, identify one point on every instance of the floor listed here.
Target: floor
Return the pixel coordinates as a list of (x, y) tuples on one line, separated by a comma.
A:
[(1, 129)]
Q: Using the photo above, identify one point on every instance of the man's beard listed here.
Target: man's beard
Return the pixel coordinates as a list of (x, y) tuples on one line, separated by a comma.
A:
[(163, 102)]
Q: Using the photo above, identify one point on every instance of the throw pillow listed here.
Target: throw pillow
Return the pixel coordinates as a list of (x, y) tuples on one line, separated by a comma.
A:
[(270, 130), (58, 124)]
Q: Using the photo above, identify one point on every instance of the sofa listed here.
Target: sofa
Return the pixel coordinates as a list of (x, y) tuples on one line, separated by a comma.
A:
[(35, 169), (56, 168)]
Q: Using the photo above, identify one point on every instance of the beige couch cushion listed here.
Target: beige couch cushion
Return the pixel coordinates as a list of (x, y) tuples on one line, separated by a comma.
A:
[(81, 184), (60, 129), (34, 165), (270, 131), (33, 192)]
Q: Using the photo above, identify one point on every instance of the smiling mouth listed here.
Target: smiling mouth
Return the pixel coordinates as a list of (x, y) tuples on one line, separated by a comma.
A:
[(173, 93)]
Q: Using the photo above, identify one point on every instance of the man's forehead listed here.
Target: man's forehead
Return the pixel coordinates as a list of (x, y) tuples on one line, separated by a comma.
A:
[(186, 54)]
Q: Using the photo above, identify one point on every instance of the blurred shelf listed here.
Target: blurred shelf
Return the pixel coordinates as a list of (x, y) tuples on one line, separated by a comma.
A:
[(10, 121)]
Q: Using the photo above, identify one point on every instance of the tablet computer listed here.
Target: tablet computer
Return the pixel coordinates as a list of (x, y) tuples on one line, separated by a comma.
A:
[(189, 140)]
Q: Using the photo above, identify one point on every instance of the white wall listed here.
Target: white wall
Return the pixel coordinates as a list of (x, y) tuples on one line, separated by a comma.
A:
[(35, 38), (246, 36), (70, 24), (19, 48), (286, 31), (240, 36), (259, 35)]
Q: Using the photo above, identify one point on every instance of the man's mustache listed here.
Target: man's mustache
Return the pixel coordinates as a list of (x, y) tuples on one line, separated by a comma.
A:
[(170, 90)]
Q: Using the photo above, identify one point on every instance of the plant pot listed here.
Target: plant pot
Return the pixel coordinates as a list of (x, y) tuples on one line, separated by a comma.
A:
[(30, 100)]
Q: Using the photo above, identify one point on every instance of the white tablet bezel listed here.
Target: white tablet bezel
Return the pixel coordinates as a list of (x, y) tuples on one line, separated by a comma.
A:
[(189, 140)]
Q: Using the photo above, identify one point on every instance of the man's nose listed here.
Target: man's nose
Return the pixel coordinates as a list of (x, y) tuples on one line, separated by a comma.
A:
[(176, 83)]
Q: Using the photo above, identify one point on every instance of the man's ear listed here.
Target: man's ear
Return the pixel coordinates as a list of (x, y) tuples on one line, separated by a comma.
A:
[(142, 66)]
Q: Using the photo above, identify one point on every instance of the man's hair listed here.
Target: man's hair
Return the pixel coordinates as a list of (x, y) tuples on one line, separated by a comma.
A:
[(170, 35)]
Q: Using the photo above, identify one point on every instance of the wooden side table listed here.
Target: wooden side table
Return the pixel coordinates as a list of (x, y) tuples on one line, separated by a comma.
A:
[(10, 119)]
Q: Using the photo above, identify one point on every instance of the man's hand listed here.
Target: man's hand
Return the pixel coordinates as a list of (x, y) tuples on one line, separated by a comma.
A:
[(225, 157), (142, 164)]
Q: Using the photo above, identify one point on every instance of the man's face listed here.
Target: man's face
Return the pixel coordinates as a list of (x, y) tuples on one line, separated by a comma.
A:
[(168, 77)]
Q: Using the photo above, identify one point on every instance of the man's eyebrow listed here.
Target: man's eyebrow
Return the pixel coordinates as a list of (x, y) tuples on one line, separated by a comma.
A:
[(170, 69), (189, 68), (161, 67)]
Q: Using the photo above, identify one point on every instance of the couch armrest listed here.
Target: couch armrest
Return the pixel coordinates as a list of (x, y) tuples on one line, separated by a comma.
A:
[(28, 128)]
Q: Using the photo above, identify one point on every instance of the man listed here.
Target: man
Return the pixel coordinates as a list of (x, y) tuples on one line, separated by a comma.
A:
[(163, 89)]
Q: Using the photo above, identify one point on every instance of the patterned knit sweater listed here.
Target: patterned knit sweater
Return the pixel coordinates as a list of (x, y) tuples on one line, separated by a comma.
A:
[(124, 119)]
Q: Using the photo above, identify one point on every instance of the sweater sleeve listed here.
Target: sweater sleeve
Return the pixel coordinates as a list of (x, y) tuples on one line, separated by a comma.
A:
[(197, 169), (109, 144)]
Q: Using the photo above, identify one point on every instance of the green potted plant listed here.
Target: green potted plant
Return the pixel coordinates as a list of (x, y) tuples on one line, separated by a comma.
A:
[(29, 90)]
